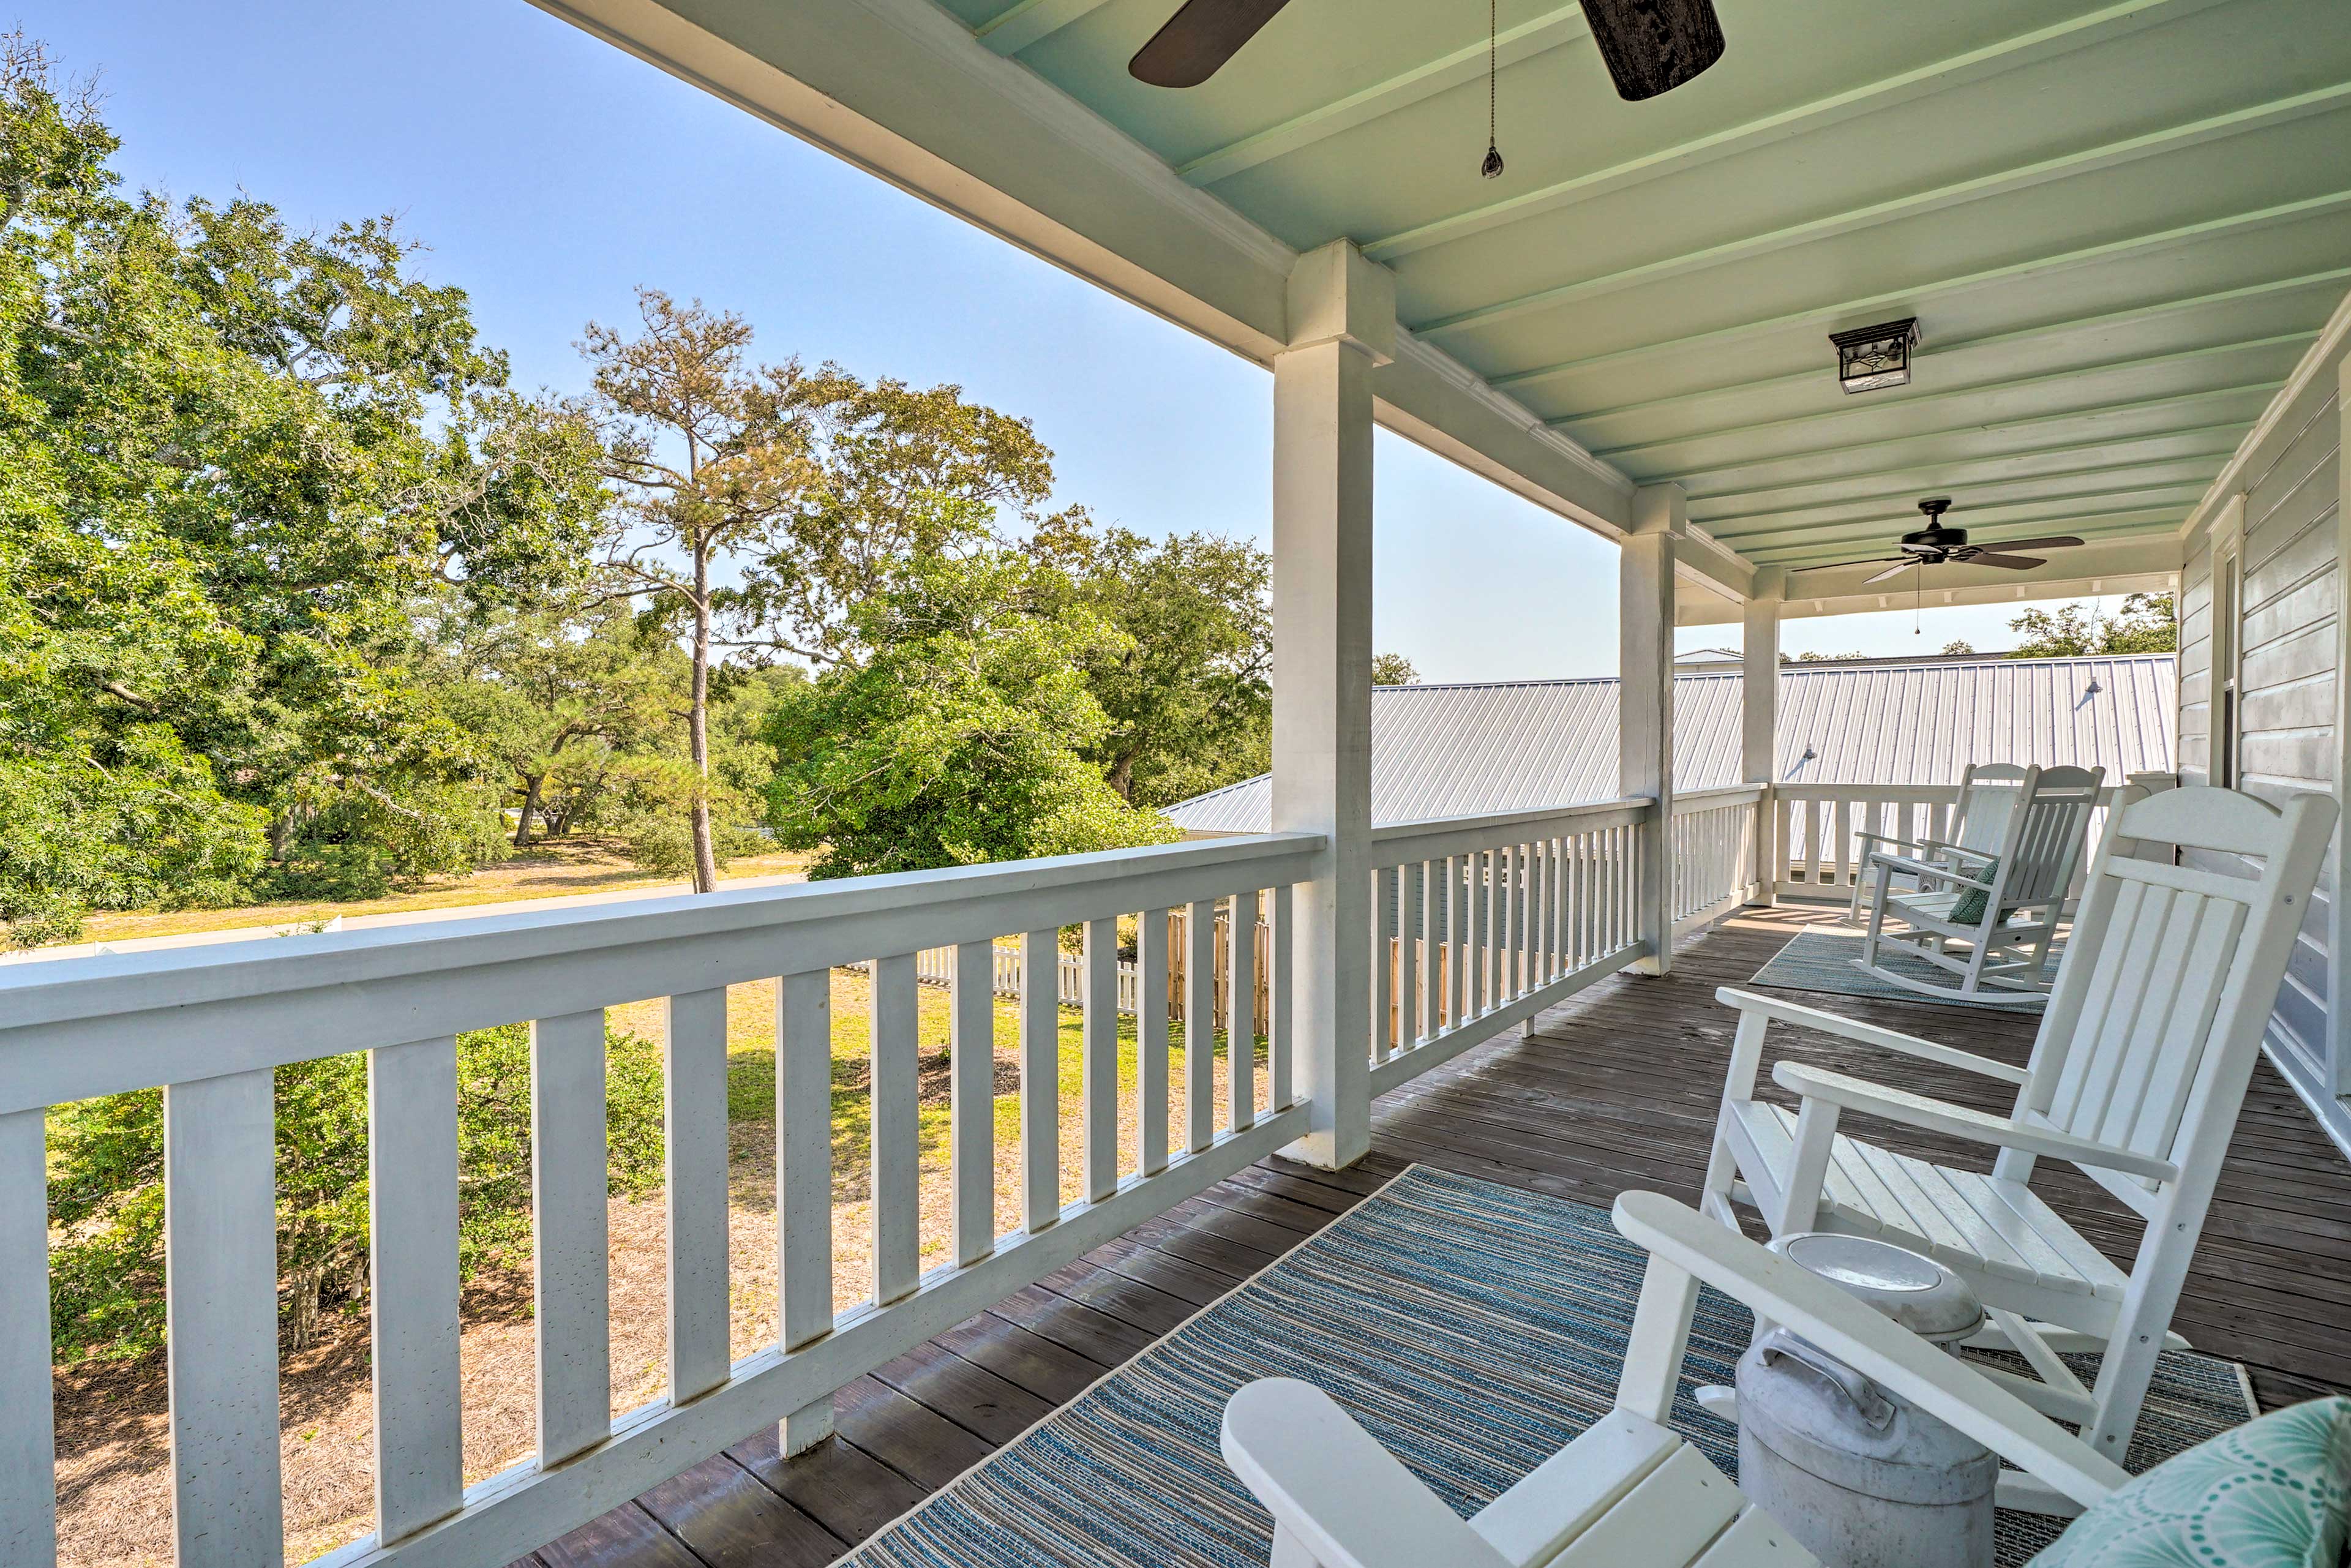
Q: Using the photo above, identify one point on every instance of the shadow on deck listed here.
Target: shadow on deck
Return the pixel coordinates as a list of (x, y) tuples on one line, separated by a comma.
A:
[(1615, 1089)]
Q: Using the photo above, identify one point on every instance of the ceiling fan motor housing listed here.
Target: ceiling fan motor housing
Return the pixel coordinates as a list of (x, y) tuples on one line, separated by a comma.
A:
[(1935, 540)]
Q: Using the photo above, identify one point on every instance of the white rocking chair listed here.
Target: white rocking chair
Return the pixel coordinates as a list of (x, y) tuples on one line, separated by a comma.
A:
[(2003, 904), (1988, 794), (2136, 1078), (1629, 1492)]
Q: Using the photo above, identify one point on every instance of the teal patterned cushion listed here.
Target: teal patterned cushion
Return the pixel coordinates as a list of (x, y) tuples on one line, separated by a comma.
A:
[(1970, 907), (2273, 1493)]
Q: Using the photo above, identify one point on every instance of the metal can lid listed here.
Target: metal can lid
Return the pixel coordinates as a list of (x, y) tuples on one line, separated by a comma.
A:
[(1916, 1291)]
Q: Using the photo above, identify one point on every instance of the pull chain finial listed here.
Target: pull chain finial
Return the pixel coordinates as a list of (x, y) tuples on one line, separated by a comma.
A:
[(1492, 166)]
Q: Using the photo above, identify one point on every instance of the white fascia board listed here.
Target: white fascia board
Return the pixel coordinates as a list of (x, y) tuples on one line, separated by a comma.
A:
[(2269, 429), (2146, 563), (901, 89)]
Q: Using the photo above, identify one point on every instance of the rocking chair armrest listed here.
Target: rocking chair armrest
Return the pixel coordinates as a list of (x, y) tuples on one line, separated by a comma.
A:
[(1959, 1122), (1862, 1033), (1348, 1500), (1959, 850), (1923, 869), (1857, 1334), (1890, 838)]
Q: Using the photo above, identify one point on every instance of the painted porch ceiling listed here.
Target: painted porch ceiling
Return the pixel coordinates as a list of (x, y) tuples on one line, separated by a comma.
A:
[(2119, 225)]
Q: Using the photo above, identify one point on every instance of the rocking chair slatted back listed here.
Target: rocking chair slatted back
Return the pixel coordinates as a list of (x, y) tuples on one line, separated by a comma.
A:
[(2154, 1021), (2046, 845), (1987, 795)]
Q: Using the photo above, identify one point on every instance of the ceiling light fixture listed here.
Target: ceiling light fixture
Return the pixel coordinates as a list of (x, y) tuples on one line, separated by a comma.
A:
[(1869, 358)]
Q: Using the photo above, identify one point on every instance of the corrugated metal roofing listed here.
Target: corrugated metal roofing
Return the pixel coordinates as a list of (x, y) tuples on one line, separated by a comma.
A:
[(1464, 750)]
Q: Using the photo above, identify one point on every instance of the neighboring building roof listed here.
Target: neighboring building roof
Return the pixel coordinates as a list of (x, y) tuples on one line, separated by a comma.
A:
[(1464, 750)]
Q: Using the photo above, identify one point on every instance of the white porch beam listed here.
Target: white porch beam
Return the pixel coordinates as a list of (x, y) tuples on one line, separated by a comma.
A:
[(2147, 563), (1345, 310), (1759, 729), (1013, 30), (1644, 711), (1976, 65), (900, 89)]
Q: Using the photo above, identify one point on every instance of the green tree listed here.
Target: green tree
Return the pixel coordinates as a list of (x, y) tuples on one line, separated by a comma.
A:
[(2146, 624), (556, 695), (712, 458), (1393, 670), (231, 456), (1186, 685), (962, 738)]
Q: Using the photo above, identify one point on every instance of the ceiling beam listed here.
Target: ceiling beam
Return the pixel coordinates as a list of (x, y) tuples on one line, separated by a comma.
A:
[(1010, 31), (2023, 335), (1863, 407), (2152, 521), (1976, 65), (1920, 298), (1922, 478), (1781, 534), (1467, 63), (2140, 564), (2104, 411), (2005, 182)]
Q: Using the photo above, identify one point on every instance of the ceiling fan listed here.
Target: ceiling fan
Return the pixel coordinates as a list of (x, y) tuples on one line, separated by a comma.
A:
[(1649, 45), (1935, 544)]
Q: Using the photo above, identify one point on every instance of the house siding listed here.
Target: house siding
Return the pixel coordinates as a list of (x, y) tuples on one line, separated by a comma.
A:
[(2287, 655)]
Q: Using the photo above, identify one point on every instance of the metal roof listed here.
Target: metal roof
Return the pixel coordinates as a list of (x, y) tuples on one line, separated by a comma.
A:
[(1464, 750)]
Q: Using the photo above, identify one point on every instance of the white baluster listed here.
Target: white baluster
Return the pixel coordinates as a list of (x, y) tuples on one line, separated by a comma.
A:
[(1200, 1025), (28, 1492), (1279, 963), (972, 1090), (1241, 1016), (1383, 895), (1100, 1068), (1411, 895), (570, 1180), (694, 1124), (220, 1209), (1151, 1054), (896, 1139), (413, 1267), (804, 1182), (1040, 1079)]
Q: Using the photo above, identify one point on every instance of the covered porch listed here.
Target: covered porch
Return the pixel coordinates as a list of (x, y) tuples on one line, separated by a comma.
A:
[(1615, 1090), (2129, 272)]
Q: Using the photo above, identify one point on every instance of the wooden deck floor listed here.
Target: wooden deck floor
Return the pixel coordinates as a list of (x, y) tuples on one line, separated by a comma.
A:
[(1615, 1089)]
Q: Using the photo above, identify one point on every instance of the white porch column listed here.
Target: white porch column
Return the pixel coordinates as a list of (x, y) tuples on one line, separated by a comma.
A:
[(1760, 722), (1342, 327), (1644, 713)]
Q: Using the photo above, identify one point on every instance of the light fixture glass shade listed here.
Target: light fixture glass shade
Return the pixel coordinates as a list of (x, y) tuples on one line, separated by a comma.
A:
[(1869, 358)]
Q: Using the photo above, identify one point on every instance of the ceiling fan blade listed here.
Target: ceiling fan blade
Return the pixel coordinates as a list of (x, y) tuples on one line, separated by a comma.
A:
[(2059, 541), (1198, 39), (1654, 46), (1896, 570), (2013, 562), (1841, 565)]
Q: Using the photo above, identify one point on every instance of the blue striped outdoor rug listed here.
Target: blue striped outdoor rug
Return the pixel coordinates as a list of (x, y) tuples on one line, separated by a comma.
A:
[(1824, 961), (1473, 1329)]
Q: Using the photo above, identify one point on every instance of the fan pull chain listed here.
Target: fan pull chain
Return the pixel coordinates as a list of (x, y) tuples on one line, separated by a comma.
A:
[(1492, 166)]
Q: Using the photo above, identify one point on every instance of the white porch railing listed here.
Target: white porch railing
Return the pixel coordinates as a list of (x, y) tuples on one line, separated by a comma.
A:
[(1483, 922), (1715, 869), (210, 1025), (1817, 824)]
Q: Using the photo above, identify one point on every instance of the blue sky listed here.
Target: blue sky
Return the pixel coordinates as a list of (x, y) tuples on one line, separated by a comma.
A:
[(551, 174)]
